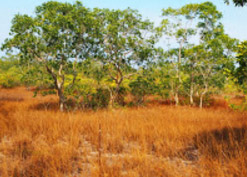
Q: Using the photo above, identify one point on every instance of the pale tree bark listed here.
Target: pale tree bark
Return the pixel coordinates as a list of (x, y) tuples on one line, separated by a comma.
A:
[(205, 75), (59, 84), (115, 93), (111, 101), (176, 95), (176, 98), (118, 78), (202, 95), (58, 79), (191, 94)]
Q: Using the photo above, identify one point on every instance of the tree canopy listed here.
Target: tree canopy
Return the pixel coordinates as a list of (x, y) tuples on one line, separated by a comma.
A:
[(96, 57), (57, 34), (237, 2)]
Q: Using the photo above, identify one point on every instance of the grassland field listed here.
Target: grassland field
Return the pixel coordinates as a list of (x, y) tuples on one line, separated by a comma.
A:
[(157, 140)]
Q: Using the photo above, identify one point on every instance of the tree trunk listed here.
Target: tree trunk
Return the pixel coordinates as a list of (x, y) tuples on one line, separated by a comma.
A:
[(115, 93), (61, 98), (113, 97), (58, 85), (201, 101), (176, 98), (191, 95), (192, 85), (178, 84), (111, 101), (191, 99), (203, 93)]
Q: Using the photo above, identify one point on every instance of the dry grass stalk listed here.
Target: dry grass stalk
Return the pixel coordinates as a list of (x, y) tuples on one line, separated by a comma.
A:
[(158, 140)]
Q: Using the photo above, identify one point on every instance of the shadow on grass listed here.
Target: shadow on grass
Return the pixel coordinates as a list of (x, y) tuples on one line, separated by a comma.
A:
[(208, 103), (68, 106), (45, 106), (4, 112), (11, 99), (225, 143)]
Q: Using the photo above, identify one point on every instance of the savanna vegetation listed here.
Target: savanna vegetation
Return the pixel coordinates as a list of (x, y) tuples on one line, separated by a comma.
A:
[(105, 92)]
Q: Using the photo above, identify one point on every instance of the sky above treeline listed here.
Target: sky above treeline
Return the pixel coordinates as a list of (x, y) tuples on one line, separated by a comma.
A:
[(234, 18)]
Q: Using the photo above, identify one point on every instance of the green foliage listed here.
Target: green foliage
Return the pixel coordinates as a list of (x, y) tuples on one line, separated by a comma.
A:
[(241, 72), (237, 2), (237, 107), (58, 33), (10, 78), (10, 73), (241, 107), (100, 99), (140, 87), (94, 58)]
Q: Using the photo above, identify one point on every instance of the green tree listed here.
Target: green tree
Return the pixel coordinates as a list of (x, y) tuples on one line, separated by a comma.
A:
[(241, 72), (192, 57), (177, 25), (126, 43), (211, 31), (59, 33), (196, 65)]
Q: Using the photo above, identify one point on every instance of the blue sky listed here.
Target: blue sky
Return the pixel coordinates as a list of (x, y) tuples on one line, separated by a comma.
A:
[(234, 18)]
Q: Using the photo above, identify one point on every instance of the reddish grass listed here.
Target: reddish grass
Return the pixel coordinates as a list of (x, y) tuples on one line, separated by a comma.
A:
[(157, 140)]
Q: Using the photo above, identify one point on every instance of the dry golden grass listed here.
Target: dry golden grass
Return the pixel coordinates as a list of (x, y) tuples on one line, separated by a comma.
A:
[(157, 140)]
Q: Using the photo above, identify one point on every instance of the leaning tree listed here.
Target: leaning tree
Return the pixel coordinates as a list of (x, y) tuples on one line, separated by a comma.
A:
[(58, 34)]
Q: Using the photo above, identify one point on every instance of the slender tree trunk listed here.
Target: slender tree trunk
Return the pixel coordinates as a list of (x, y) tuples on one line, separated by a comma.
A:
[(114, 95), (202, 95), (74, 72), (201, 101), (174, 93), (28, 68), (61, 99), (176, 98), (60, 84), (192, 89), (191, 96), (111, 101)]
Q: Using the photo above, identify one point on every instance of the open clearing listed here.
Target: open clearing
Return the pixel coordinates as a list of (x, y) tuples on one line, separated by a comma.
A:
[(157, 140)]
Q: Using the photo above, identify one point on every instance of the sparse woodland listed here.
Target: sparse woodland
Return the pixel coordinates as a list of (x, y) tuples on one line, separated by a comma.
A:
[(102, 92)]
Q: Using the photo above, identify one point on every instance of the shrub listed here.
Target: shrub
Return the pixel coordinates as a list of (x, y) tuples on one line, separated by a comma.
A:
[(140, 87), (10, 78)]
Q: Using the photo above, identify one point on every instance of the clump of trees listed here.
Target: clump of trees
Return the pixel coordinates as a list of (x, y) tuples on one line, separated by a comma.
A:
[(98, 56)]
